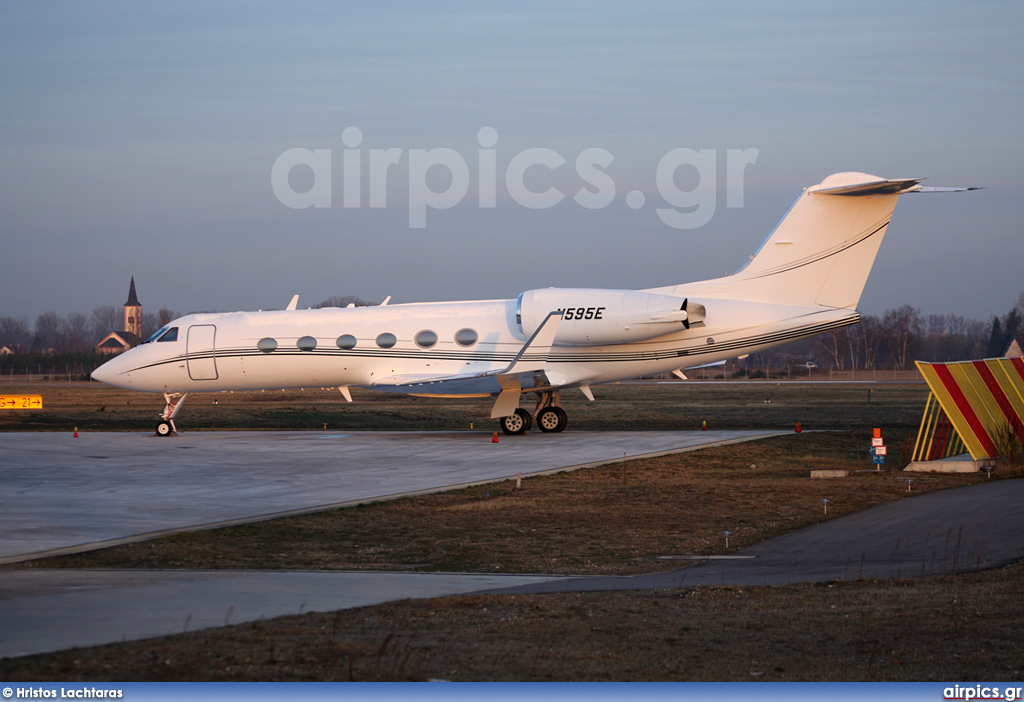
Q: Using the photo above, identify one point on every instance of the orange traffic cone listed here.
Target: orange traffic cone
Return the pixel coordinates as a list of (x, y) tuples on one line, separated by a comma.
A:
[(799, 428), (494, 440)]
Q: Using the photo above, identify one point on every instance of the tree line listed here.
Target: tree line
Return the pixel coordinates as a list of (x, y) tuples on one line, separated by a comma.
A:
[(897, 338), (79, 333), (73, 333)]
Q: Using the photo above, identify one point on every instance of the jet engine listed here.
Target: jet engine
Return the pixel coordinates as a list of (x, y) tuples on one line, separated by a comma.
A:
[(592, 317)]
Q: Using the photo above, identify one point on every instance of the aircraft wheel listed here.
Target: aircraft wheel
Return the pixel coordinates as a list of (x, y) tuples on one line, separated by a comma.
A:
[(163, 429), (514, 424), (552, 419), (527, 418), (564, 416)]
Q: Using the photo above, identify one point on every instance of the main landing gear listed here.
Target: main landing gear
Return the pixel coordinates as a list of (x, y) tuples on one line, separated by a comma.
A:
[(174, 400), (548, 415)]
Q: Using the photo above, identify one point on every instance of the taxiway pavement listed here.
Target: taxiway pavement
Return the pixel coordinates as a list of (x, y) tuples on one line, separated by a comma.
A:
[(63, 494)]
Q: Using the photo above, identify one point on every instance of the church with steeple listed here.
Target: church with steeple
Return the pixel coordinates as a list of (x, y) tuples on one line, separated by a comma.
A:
[(131, 335)]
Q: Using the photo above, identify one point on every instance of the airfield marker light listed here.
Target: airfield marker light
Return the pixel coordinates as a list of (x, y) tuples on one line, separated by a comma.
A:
[(76, 432), (519, 481), (988, 469), (471, 426), (824, 503), (704, 425), (909, 482), (494, 439), (727, 534)]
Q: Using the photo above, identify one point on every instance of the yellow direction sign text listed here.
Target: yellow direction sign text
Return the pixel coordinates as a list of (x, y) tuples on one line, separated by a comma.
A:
[(21, 401)]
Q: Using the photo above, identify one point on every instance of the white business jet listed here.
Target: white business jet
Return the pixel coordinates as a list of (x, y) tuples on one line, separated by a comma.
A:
[(805, 279)]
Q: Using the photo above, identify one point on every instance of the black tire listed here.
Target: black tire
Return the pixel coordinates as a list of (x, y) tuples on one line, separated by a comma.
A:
[(551, 419), (163, 429), (512, 425), (565, 418), (527, 418)]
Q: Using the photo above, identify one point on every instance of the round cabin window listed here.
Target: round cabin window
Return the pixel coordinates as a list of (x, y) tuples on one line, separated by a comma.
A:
[(466, 337), (426, 338)]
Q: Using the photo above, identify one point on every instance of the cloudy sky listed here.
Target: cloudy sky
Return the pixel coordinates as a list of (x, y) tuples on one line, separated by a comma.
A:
[(142, 138)]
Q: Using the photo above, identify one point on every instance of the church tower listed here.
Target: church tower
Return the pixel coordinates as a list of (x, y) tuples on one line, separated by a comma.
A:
[(133, 312)]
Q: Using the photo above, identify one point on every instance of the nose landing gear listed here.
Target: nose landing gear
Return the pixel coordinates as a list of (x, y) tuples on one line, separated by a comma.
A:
[(174, 400)]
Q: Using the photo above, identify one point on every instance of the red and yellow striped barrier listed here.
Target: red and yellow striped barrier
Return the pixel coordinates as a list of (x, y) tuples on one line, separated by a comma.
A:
[(978, 400)]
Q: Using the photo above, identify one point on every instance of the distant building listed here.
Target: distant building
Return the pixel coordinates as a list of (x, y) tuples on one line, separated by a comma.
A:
[(6, 351), (1014, 350), (133, 312), (117, 341), (131, 335)]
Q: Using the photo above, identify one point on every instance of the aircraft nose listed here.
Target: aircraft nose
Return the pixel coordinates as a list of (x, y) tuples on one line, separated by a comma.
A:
[(110, 374), (102, 374)]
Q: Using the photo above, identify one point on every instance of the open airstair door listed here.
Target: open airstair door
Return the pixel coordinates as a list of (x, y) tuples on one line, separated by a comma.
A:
[(201, 355)]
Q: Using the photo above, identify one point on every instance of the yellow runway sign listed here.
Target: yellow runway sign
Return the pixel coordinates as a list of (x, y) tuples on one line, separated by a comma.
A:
[(21, 401)]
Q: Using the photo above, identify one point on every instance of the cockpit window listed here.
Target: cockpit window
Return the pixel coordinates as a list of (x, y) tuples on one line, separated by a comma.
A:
[(163, 334), (155, 335), (171, 335)]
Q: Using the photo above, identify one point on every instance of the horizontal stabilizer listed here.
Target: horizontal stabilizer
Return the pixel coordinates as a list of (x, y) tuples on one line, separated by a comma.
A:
[(896, 186), (961, 189), (863, 184)]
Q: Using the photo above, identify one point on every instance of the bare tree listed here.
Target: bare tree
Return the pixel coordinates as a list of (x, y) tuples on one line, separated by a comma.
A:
[(345, 301), (49, 330), (902, 327), (77, 333), (974, 339), (853, 343), (870, 332), (106, 319), (1011, 327), (150, 323), (165, 316), (15, 333), (835, 344)]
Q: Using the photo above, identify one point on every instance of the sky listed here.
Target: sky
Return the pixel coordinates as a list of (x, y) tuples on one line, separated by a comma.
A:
[(232, 154)]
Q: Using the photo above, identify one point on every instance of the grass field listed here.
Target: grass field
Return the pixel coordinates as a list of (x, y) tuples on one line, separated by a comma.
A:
[(726, 405), (614, 519)]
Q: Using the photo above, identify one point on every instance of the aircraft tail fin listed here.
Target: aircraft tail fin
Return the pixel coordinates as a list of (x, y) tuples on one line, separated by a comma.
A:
[(821, 252)]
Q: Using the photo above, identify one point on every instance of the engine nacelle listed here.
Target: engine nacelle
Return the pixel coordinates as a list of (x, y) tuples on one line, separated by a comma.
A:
[(591, 317)]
